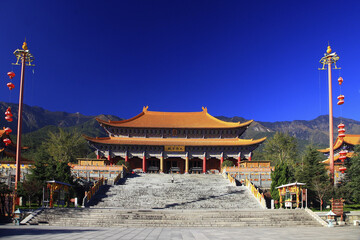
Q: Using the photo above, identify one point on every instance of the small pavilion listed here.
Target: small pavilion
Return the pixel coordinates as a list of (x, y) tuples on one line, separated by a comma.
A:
[(290, 195)]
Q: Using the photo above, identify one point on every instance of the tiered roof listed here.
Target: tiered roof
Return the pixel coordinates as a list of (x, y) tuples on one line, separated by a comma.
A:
[(348, 139), (189, 120), (175, 141)]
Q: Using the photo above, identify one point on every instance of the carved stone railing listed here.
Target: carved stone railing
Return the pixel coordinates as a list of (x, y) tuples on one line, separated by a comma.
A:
[(259, 196), (92, 192)]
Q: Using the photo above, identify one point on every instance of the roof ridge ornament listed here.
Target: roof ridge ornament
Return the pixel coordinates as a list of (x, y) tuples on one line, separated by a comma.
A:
[(204, 109), (145, 108)]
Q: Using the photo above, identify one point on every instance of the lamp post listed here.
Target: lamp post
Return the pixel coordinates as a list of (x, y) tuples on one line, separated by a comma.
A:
[(26, 59), (329, 59)]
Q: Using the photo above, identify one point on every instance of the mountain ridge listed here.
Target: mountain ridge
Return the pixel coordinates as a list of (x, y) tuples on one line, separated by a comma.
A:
[(313, 131)]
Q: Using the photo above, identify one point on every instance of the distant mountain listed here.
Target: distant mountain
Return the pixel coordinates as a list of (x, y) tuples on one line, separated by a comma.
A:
[(38, 121), (35, 118), (315, 131)]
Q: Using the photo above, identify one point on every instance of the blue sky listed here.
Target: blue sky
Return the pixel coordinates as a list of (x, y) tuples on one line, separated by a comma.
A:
[(255, 59)]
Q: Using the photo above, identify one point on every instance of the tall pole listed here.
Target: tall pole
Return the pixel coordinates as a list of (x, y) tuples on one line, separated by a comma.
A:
[(328, 59), (331, 126), (19, 128), (26, 60)]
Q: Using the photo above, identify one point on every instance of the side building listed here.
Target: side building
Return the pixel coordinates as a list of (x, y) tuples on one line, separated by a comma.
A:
[(181, 142)]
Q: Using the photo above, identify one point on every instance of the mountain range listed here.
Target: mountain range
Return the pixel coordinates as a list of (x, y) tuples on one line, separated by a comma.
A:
[(37, 120)]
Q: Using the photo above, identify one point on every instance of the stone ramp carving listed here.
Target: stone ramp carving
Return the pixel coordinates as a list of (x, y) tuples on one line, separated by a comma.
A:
[(195, 191)]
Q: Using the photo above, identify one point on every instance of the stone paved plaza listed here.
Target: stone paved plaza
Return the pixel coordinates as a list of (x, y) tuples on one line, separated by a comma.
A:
[(11, 232), (193, 191)]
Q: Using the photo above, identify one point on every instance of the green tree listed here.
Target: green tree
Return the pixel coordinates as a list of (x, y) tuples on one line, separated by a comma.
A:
[(30, 188), (66, 146), (281, 175), (313, 173), (227, 163), (352, 176), (281, 148)]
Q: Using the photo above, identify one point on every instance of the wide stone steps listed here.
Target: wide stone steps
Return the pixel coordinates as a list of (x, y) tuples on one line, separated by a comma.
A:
[(173, 218)]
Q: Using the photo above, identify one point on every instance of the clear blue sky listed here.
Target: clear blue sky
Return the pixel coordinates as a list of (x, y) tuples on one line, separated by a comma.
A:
[(255, 59)]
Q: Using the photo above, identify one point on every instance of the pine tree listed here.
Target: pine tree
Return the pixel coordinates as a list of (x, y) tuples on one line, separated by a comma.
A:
[(313, 173), (280, 176), (353, 176)]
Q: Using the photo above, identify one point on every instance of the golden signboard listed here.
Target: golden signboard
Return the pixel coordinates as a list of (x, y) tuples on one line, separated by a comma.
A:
[(174, 148)]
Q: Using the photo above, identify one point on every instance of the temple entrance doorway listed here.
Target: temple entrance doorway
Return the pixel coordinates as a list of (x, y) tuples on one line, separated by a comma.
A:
[(213, 165), (135, 163), (153, 165), (195, 165), (174, 165)]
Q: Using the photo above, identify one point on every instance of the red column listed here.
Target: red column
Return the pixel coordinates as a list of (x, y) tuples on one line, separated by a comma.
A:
[(204, 164), (144, 163), (98, 157), (126, 157), (109, 158), (221, 160), (239, 159)]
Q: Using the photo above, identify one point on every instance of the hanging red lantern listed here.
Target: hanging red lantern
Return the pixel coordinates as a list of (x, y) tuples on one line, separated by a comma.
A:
[(8, 118), (8, 113), (341, 125), (7, 141), (341, 99), (342, 158), (341, 135), (342, 154), (10, 85), (340, 80), (11, 75), (341, 130), (342, 169), (8, 130)]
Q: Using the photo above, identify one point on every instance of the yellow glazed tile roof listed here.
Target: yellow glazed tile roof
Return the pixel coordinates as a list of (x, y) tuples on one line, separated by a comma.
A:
[(151, 119), (175, 141), (352, 139)]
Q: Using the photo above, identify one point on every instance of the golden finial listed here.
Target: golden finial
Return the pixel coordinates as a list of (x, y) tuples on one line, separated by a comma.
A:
[(328, 49), (24, 46)]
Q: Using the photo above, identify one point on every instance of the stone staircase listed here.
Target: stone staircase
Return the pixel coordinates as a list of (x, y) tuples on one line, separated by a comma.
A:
[(164, 191), (162, 200), (112, 217)]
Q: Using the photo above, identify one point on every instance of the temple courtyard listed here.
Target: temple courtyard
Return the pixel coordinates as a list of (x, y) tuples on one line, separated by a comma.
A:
[(11, 232)]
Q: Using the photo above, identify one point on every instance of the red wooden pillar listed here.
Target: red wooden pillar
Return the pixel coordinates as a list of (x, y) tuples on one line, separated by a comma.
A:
[(204, 163), (110, 160), (221, 160), (97, 156), (144, 163)]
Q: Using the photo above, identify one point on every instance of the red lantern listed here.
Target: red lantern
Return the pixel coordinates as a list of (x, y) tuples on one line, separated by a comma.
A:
[(10, 85), (341, 99), (8, 118), (342, 169), (340, 80), (341, 130), (8, 113), (342, 154), (341, 135), (7, 141), (341, 125), (8, 130), (11, 75)]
